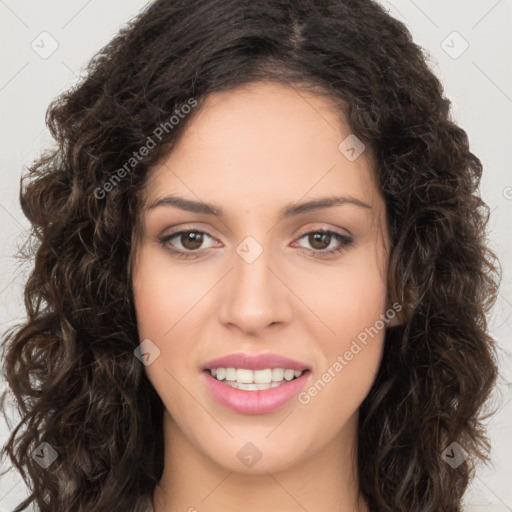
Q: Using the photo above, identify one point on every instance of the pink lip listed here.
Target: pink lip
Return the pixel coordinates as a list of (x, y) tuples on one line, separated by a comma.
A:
[(259, 362), (254, 402)]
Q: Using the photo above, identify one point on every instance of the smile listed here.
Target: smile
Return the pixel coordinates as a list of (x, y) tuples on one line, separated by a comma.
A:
[(254, 380), (254, 392)]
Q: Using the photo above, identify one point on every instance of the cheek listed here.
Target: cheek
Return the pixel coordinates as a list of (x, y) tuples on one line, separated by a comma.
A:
[(349, 356), (350, 335), (162, 297), (169, 305), (347, 298)]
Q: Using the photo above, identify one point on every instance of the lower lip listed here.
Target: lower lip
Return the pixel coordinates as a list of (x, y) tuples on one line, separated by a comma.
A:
[(254, 402)]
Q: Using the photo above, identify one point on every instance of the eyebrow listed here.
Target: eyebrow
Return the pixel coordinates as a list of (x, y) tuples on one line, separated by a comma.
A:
[(286, 212)]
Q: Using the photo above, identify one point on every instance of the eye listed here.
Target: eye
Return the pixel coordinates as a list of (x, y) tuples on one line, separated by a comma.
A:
[(192, 240), (321, 239)]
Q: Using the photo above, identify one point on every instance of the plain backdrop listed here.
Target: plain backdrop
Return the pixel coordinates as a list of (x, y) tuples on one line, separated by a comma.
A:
[(44, 45)]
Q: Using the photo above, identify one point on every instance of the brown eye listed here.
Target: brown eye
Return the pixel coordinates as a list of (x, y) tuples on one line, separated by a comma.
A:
[(319, 240), (191, 240), (186, 242)]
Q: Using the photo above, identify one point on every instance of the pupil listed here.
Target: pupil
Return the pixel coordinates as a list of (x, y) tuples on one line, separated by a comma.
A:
[(317, 237), (194, 238)]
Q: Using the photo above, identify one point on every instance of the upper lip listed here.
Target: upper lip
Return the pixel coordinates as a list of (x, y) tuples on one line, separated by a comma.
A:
[(255, 362)]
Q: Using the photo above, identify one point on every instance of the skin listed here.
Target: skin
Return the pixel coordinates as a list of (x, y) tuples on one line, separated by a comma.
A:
[(252, 151)]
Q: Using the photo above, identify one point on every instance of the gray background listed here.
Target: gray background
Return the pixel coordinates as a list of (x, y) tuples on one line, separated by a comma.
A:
[(478, 81)]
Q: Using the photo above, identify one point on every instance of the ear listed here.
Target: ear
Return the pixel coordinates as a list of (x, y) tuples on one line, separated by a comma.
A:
[(393, 314), (398, 312)]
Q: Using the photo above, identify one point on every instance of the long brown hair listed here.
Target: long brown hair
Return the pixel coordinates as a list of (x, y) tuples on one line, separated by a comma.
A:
[(71, 367)]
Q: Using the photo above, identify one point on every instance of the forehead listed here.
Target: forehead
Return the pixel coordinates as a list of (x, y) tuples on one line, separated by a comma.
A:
[(264, 142)]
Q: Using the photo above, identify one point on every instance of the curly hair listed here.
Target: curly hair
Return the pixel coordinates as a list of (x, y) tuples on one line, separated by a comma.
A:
[(70, 365)]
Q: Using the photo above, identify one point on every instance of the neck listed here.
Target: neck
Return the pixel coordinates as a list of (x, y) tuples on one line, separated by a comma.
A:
[(326, 480)]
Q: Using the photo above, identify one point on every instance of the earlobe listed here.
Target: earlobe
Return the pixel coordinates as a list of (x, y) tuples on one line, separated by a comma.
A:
[(393, 322), (399, 312)]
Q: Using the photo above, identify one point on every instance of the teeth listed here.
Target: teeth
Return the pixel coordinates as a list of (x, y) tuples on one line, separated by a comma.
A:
[(244, 376), (230, 374), (253, 386), (288, 374), (277, 374), (252, 380)]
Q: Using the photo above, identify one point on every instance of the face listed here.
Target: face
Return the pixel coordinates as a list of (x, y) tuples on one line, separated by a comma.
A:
[(256, 282)]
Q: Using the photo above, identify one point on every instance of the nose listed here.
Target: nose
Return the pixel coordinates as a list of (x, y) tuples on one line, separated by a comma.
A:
[(254, 295)]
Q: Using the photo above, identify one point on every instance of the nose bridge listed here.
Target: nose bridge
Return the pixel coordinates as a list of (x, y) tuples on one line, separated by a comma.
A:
[(254, 295)]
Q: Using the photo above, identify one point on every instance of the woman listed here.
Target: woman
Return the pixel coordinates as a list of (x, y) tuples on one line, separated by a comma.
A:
[(261, 281)]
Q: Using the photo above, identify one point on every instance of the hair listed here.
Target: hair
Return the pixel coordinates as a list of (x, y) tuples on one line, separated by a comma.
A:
[(70, 365)]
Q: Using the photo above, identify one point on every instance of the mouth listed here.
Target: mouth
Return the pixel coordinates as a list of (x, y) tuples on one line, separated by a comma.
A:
[(255, 380), (269, 389)]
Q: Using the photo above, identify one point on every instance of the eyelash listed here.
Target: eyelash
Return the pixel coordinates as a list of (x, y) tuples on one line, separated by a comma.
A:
[(345, 241)]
